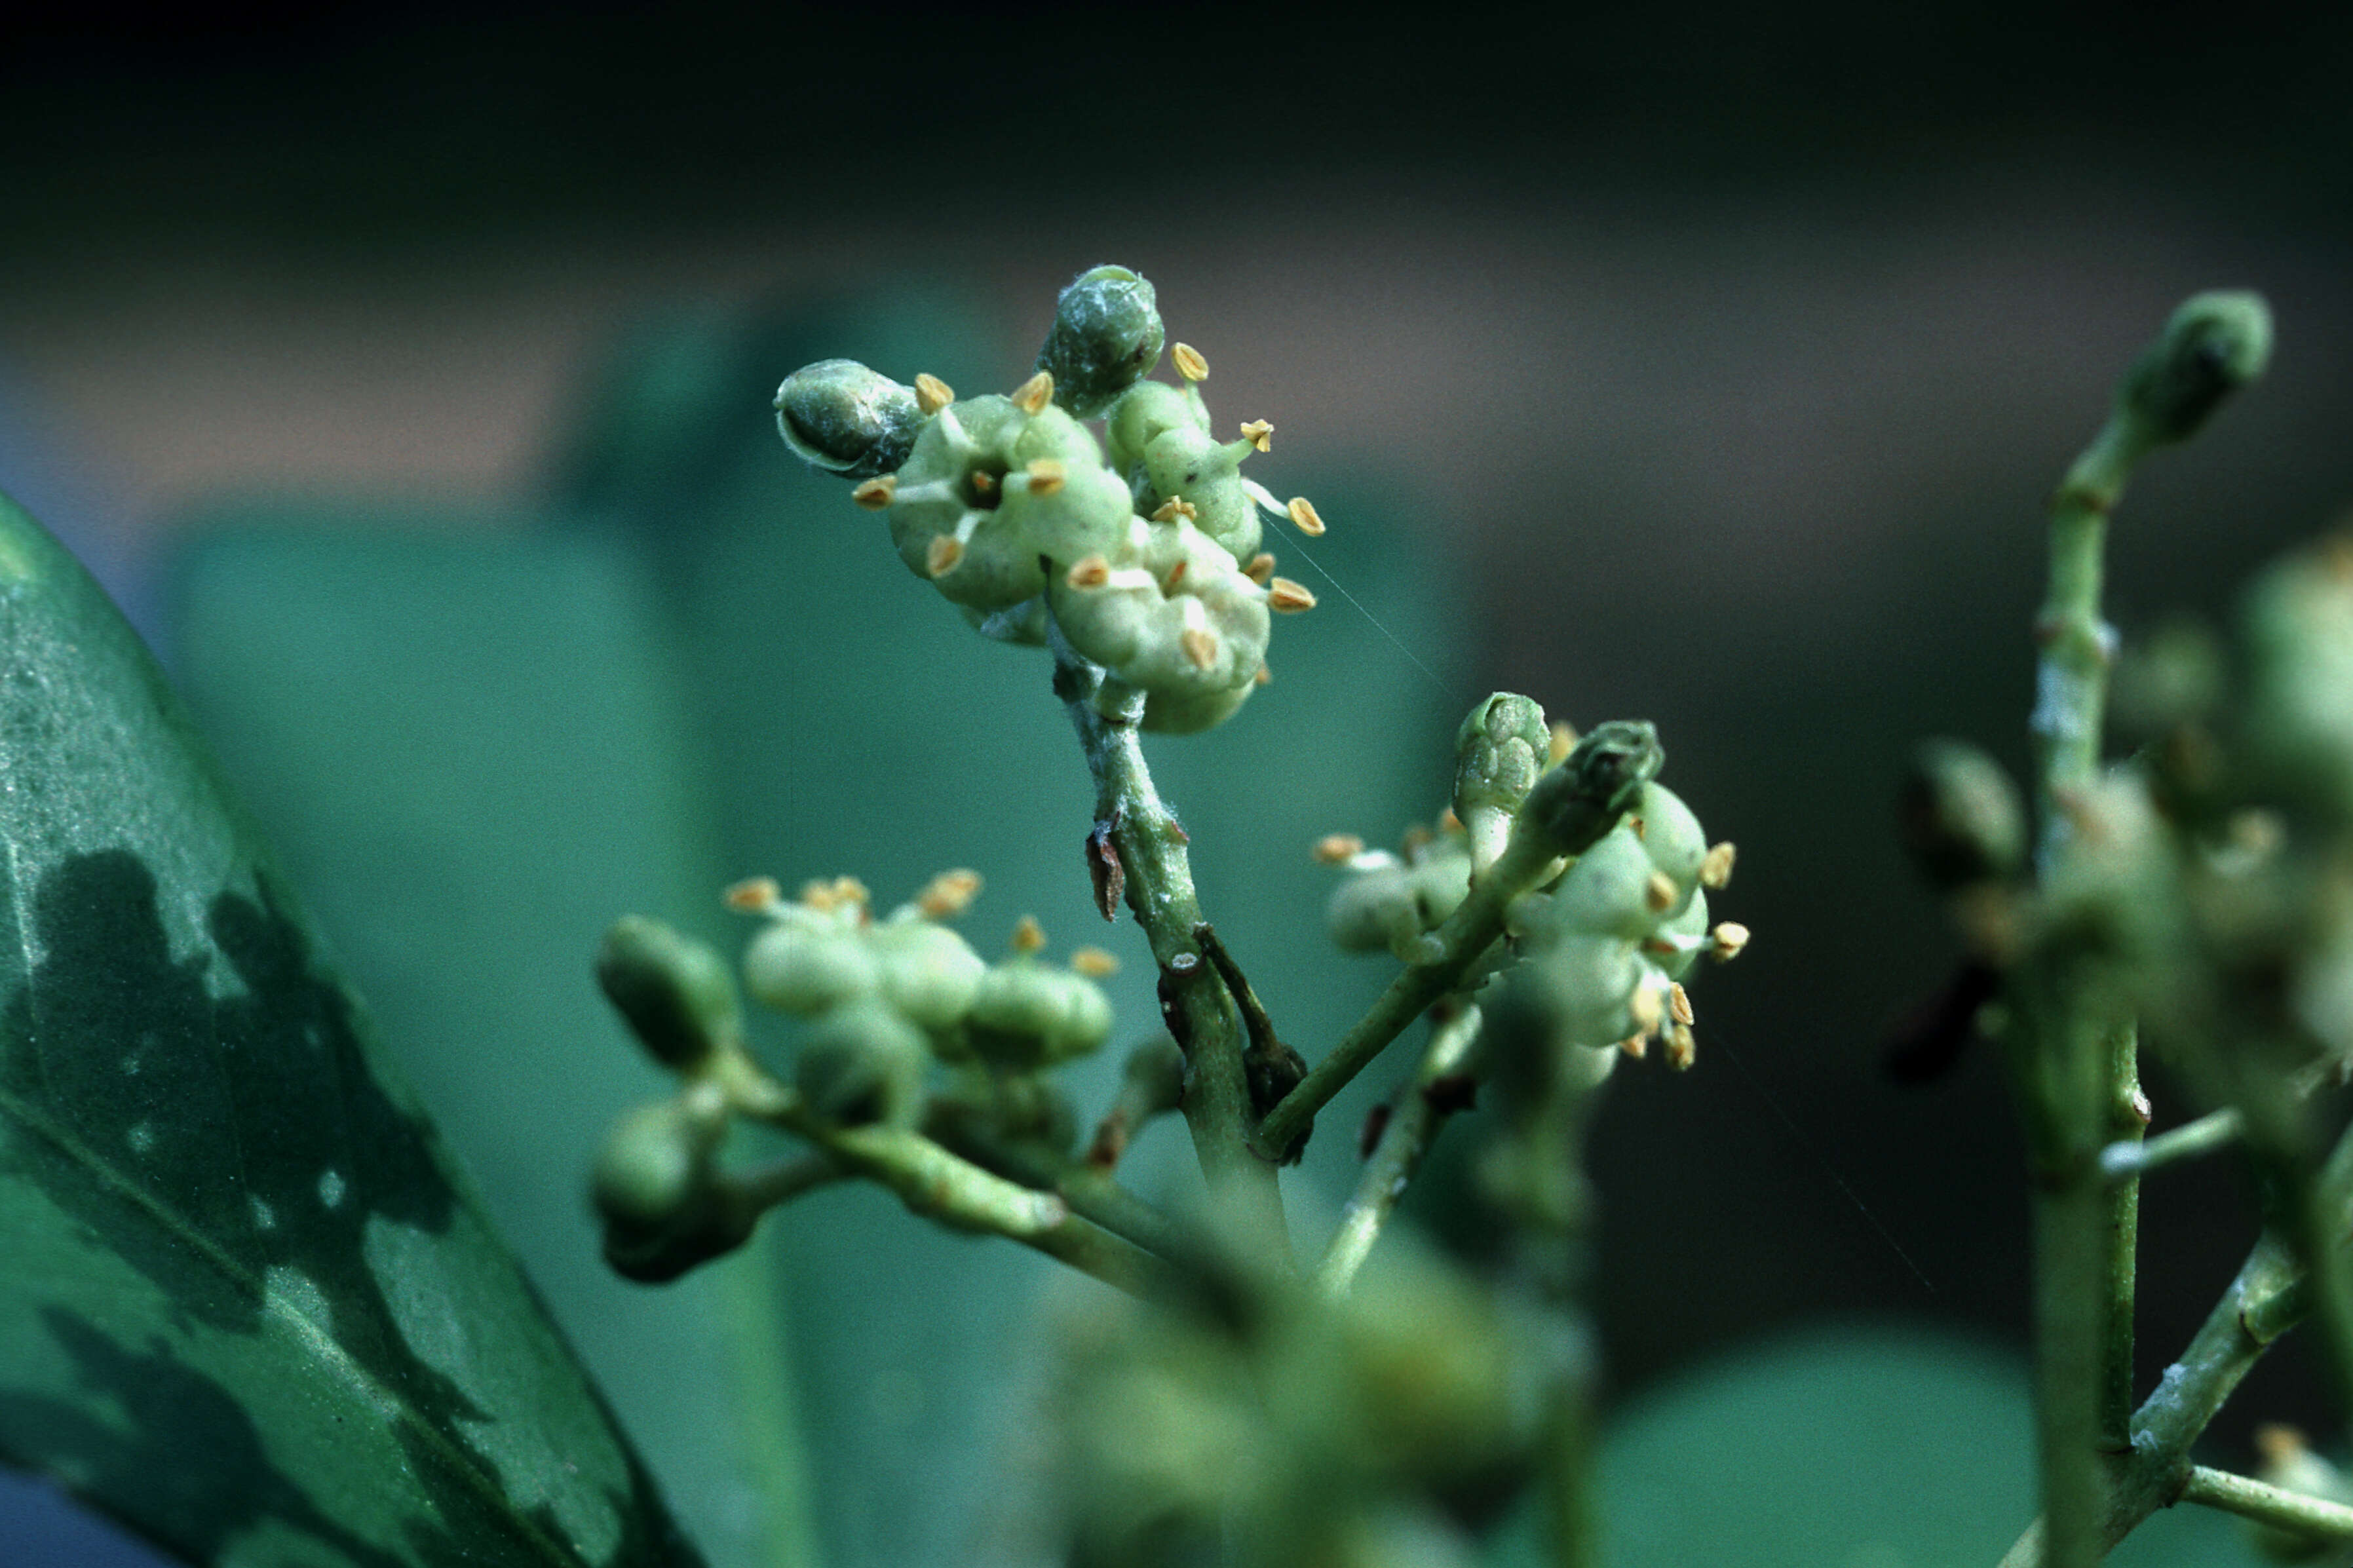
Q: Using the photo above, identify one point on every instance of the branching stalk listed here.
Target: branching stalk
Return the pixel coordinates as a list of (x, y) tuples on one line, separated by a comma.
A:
[(1158, 889), (2130, 1157), (1422, 1110), (2267, 1504)]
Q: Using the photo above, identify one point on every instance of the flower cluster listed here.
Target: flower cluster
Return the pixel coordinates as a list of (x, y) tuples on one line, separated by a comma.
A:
[(1141, 548)]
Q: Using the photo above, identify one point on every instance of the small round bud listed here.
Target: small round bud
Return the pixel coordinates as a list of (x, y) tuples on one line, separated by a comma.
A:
[(653, 1165), (1577, 802), (1029, 1015), (1497, 753), (674, 991), (928, 972), (1153, 1080), (1106, 337), (803, 968), (862, 1063), (1961, 817), (2214, 344), (841, 416)]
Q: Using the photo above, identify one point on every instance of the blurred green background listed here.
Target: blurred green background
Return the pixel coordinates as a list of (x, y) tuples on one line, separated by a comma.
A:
[(404, 372)]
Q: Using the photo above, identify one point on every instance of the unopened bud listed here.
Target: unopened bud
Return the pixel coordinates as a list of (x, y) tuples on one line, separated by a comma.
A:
[(1959, 816), (1106, 336), (844, 418), (1575, 804), (2214, 344), (675, 992)]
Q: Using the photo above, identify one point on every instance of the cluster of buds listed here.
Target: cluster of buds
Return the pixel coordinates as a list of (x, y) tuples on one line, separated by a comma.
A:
[(1143, 547), (884, 1002), (1381, 1428), (1606, 935), (2213, 877)]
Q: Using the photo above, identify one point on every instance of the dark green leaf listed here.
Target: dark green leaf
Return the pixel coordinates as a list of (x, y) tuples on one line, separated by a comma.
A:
[(245, 1308), (467, 745)]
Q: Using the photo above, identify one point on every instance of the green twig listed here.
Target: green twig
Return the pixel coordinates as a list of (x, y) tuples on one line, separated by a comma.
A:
[(1462, 941), (1158, 888), (945, 1187), (1095, 1194), (1422, 1110), (2130, 1157), (2267, 1504)]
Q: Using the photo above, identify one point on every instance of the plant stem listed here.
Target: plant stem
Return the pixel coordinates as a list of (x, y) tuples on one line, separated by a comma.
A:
[(1158, 888), (947, 1188), (2130, 1157), (2262, 1302), (1095, 1194), (2074, 1067), (2251, 1498), (1412, 1126), (1463, 940)]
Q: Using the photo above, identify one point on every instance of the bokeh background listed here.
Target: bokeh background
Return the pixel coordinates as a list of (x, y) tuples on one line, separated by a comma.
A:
[(402, 371)]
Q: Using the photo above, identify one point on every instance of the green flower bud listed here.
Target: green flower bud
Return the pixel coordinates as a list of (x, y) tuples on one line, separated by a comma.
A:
[(675, 992), (1106, 336), (1961, 817), (1608, 892), (1152, 1081), (655, 1165), (989, 488), (804, 964), (1498, 752), (841, 417), (1685, 934), (1144, 413), (2214, 344), (1672, 836), (2297, 626), (1189, 714), (1583, 987), (1169, 612), (1029, 1015), (862, 1063), (1032, 1109), (1392, 906), (928, 972), (1577, 802), (1190, 464)]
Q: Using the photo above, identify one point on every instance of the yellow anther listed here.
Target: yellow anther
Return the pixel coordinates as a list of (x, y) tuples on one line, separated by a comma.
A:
[(1259, 434), (851, 890), (1679, 1006), (1028, 936), (1636, 1046), (949, 893), (1176, 576), (932, 393), (1288, 598), (940, 557), (876, 493), (1563, 741), (1645, 1008), (1659, 892), (1682, 1048), (818, 894), (1189, 362), (1305, 517), (1730, 938), (983, 481), (1338, 848), (1174, 508), (1450, 823), (753, 895), (1093, 963), (1641, 829), (1200, 646), (1265, 677), (1715, 871), (1046, 476), (1261, 569), (1087, 572), (1032, 396)]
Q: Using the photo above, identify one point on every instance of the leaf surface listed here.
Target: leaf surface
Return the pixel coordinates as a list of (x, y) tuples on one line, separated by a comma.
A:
[(247, 1307)]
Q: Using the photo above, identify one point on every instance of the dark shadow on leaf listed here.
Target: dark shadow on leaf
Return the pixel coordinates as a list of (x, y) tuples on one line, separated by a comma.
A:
[(213, 1142)]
